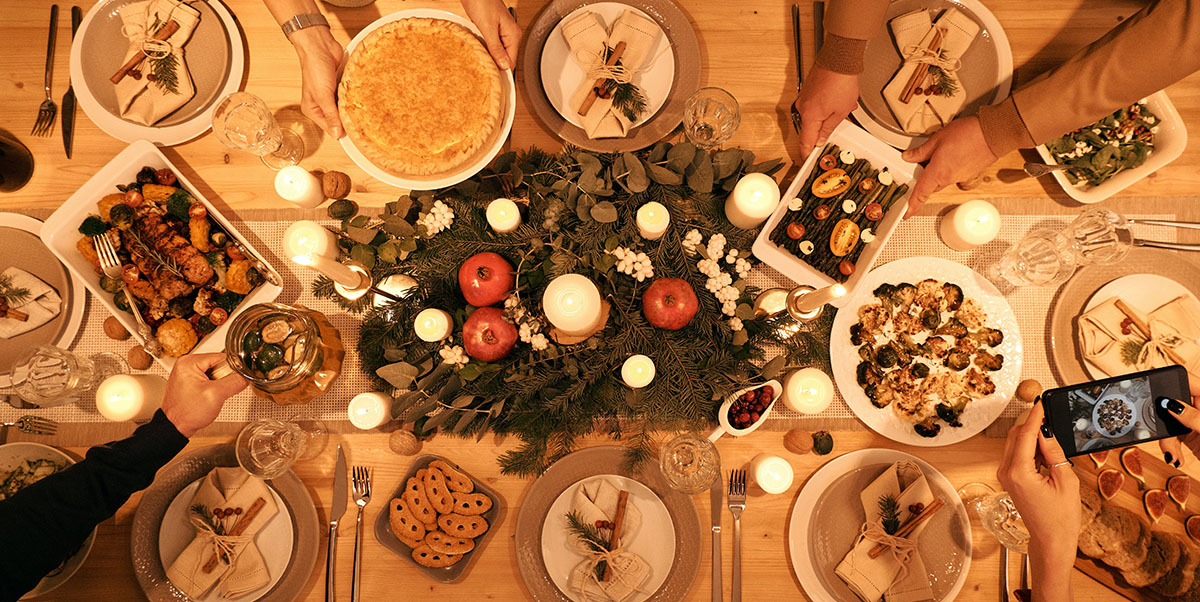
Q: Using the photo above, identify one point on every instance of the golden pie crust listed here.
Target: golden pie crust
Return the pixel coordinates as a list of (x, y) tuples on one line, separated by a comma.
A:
[(420, 96)]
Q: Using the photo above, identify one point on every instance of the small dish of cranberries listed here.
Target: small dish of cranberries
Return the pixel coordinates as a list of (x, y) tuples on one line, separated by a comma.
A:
[(745, 410)]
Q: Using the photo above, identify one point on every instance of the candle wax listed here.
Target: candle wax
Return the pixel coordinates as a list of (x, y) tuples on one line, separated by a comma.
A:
[(808, 391), (369, 410), (297, 185)]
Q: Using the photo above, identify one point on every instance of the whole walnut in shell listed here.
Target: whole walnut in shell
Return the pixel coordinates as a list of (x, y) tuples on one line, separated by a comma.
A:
[(335, 185)]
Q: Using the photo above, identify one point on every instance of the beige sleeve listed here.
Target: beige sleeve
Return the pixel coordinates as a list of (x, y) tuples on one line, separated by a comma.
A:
[(848, 26), (1152, 49)]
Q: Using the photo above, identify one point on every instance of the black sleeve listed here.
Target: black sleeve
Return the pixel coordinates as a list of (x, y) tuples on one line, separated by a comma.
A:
[(44, 524)]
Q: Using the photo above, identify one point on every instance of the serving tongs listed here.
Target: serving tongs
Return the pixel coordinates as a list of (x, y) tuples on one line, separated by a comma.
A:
[(1159, 244)]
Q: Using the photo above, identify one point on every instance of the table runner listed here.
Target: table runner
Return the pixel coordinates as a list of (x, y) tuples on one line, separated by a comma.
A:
[(82, 425)]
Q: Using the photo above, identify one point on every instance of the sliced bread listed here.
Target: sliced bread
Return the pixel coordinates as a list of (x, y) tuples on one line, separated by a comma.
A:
[(1162, 554), (1179, 579)]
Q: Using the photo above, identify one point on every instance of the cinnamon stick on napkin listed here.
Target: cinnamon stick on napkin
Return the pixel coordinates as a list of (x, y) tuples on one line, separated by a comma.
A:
[(142, 96), (919, 41), (1114, 340), (41, 305), (588, 40)]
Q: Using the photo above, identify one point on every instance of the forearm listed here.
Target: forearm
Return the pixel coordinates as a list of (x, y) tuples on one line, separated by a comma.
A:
[(1050, 566), (848, 26)]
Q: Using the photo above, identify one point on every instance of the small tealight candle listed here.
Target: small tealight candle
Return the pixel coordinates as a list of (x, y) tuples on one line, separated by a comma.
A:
[(772, 474), (432, 324), (752, 201), (815, 299), (652, 220), (572, 304), (970, 224), (307, 237), (369, 410), (297, 185), (503, 215), (333, 269), (130, 397), (807, 391), (637, 371)]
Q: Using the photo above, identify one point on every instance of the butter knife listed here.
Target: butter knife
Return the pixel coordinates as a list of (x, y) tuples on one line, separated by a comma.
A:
[(336, 509), (68, 101), (717, 501)]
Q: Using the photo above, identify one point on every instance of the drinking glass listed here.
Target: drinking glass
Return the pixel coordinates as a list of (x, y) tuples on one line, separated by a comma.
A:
[(1043, 257), (690, 463), (1101, 236), (997, 514), (47, 376), (267, 447), (16, 162), (242, 121), (710, 117)]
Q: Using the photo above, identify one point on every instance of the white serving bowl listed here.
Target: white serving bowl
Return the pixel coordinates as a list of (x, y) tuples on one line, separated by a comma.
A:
[(723, 417)]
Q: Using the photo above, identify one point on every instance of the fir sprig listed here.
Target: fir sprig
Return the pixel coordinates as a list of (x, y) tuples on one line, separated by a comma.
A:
[(1131, 350), (590, 536), (945, 84), (13, 295), (889, 513), (629, 99), (166, 72), (206, 515)]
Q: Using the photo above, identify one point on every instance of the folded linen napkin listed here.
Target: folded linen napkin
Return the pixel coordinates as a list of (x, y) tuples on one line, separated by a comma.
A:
[(138, 99), (240, 569), (588, 39), (914, 32), (596, 499), (871, 578), (42, 304), (1175, 326)]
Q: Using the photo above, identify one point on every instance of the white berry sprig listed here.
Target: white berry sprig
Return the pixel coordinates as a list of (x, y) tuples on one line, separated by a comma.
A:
[(438, 218)]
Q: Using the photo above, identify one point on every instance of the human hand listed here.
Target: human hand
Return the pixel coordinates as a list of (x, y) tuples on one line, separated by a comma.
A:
[(320, 56), (954, 153), (825, 99), (1190, 417), (193, 400), (500, 30)]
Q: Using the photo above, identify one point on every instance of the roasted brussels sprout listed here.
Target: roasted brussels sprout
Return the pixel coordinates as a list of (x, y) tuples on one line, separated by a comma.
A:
[(219, 239), (121, 301), (931, 319), (884, 291), (958, 361), (987, 336), (146, 175), (927, 428), (857, 336), (954, 328), (903, 294), (989, 361), (110, 285), (181, 307), (205, 326), (121, 216), (254, 277), (949, 414), (869, 374), (952, 296), (887, 356), (935, 347), (866, 353), (919, 370)]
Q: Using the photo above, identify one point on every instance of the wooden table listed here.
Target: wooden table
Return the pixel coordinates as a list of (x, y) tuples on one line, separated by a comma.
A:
[(747, 50)]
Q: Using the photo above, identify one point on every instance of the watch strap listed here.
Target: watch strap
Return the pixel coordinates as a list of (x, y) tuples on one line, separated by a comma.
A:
[(299, 22)]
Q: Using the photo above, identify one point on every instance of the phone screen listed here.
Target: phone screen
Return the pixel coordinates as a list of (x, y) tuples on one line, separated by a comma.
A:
[(1116, 412)]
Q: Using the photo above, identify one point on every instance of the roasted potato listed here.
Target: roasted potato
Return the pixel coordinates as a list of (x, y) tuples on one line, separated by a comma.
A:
[(237, 279), (157, 193), (85, 248), (106, 203), (177, 337)]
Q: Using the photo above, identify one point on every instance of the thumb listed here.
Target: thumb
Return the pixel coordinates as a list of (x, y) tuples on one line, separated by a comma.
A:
[(510, 34), (229, 385), (1053, 456), (1184, 413), (921, 153), (333, 122), (496, 48)]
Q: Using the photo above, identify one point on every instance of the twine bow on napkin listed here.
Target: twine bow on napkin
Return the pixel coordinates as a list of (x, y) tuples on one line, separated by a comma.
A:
[(628, 572), (164, 84), (40, 303), (932, 54), (1114, 341)]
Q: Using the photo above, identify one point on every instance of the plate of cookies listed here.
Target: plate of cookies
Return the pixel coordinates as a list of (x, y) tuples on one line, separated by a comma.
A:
[(439, 518)]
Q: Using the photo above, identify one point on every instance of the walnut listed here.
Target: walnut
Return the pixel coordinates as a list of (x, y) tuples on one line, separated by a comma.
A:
[(139, 359), (404, 443), (798, 441), (1028, 390), (335, 185), (114, 329)]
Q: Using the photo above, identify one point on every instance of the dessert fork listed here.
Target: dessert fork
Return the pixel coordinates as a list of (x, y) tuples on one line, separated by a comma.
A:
[(799, 65), (48, 110), (34, 425), (110, 264), (361, 481), (737, 503)]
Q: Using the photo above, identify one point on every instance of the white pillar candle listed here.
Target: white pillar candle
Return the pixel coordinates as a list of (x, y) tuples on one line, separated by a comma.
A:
[(307, 237), (807, 391), (125, 397), (772, 474), (572, 304), (297, 185), (432, 325), (970, 224), (503, 215), (652, 220), (815, 299), (333, 269), (752, 200), (637, 371), (369, 410)]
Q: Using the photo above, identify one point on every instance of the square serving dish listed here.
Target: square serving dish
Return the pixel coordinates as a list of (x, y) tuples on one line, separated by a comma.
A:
[(60, 232), (1169, 143), (450, 574), (880, 154)]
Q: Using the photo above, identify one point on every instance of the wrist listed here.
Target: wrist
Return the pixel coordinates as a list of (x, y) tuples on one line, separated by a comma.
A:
[(1053, 554), (179, 422), (311, 39)]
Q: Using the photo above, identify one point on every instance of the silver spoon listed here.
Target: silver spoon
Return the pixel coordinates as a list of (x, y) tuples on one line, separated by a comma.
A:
[(1038, 170)]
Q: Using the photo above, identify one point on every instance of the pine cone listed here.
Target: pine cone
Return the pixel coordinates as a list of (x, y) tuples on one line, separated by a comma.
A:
[(335, 185)]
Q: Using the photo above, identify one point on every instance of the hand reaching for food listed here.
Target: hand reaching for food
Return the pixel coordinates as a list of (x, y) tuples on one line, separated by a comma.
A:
[(825, 99), (501, 34), (320, 55), (952, 154), (193, 400)]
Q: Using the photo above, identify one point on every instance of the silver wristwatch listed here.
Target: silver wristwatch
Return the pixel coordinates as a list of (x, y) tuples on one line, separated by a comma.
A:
[(299, 22)]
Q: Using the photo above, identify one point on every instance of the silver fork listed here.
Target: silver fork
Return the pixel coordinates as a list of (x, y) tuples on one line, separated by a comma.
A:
[(110, 264), (361, 481), (737, 503), (48, 110), (34, 425)]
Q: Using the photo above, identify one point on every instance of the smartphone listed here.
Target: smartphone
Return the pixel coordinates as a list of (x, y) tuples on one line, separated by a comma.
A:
[(1116, 412)]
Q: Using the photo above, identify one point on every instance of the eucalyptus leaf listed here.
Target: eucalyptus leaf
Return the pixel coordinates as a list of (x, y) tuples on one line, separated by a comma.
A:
[(463, 421), (359, 221), (364, 255), (663, 175), (636, 181), (399, 374), (584, 207), (744, 312), (401, 206), (497, 407), (388, 252), (726, 163), (680, 156), (515, 175), (397, 227), (394, 354), (700, 174), (771, 369), (740, 337), (659, 152), (408, 244), (467, 188), (604, 212), (469, 372), (504, 162), (611, 243), (436, 420), (588, 163), (767, 167), (360, 235), (463, 401)]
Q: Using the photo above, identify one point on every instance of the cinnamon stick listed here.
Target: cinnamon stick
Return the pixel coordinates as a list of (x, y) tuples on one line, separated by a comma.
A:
[(163, 33), (20, 316), (1144, 329), (922, 70), (907, 528), (242, 524), (601, 82), (615, 539)]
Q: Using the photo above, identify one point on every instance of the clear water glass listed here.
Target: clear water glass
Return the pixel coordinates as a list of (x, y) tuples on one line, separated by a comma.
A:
[(1043, 257), (267, 448), (243, 121), (998, 515), (47, 376), (710, 117), (690, 463), (1101, 237)]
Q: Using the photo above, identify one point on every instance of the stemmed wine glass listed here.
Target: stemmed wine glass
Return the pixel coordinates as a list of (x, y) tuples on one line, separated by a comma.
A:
[(998, 514), (267, 448), (242, 121)]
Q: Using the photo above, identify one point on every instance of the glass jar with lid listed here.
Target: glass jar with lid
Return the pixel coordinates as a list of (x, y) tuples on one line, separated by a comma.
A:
[(290, 354)]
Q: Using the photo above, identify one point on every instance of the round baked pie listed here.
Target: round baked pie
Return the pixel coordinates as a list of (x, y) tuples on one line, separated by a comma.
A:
[(420, 96)]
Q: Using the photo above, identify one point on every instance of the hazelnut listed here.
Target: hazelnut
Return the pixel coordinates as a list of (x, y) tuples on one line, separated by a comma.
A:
[(798, 441), (404, 443), (139, 359), (114, 329), (1028, 390), (335, 185)]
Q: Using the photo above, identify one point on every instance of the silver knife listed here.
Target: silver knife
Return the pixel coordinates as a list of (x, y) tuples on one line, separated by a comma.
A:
[(717, 501), (796, 40), (68, 101), (336, 509)]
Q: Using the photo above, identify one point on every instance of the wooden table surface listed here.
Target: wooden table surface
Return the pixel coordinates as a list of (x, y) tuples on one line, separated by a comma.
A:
[(747, 50)]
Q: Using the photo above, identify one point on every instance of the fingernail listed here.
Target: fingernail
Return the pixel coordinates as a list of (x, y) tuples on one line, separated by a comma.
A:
[(1046, 432), (1167, 457), (1037, 400), (1173, 405), (1177, 464)]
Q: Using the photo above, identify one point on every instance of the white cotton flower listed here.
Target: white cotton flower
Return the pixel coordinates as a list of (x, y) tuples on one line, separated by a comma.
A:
[(454, 355), (511, 302), (735, 324), (539, 342)]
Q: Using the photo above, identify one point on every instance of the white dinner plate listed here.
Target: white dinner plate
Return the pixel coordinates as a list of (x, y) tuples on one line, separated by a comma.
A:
[(274, 540), (823, 526), (979, 413), (483, 156), (1143, 292), (654, 542), (562, 74)]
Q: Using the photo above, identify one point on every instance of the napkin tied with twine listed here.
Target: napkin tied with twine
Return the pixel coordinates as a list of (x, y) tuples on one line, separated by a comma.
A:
[(138, 99), (597, 499), (1174, 326), (589, 41), (914, 33), (42, 304)]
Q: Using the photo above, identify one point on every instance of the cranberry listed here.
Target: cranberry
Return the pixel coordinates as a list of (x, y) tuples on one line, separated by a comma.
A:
[(150, 77), (754, 417), (600, 524), (135, 74), (769, 390), (743, 418), (237, 511)]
